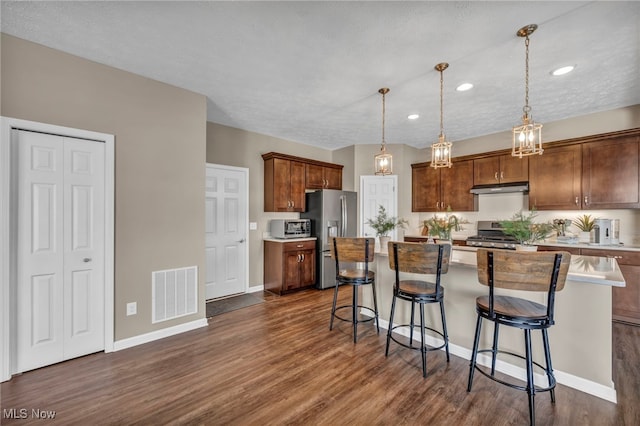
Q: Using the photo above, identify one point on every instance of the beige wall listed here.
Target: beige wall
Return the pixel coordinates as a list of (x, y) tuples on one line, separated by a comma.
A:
[(160, 145)]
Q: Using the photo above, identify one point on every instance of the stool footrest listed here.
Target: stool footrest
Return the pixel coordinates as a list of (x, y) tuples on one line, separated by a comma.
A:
[(480, 369), (417, 348), (351, 307)]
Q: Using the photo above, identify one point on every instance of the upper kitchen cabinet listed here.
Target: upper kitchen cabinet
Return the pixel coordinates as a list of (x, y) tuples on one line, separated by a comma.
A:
[(595, 172), (283, 185), (611, 174), (286, 177), (323, 176), (554, 178), (500, 169), (435, 190)]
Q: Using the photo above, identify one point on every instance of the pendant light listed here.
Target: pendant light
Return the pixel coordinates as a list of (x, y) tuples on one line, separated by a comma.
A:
[(441, 150), (383, 161), (527, 137)]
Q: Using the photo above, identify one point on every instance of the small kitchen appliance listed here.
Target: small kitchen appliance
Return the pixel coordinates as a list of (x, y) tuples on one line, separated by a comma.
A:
[(290, 228), (601, 232)]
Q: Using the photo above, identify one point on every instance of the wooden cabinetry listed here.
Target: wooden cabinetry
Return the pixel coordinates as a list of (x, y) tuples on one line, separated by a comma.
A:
[(289, 266), (286, 177), (434, 190), (323, 177), (611, 174), (596, 174), (555, 178), (500, 169)]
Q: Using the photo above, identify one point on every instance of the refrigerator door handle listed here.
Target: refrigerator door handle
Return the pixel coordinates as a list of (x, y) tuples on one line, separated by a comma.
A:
[(343, 214)]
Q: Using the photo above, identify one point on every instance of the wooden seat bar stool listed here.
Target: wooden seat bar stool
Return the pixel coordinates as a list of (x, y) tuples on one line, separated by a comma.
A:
[(347, 253), (528, 271), (418, 258)]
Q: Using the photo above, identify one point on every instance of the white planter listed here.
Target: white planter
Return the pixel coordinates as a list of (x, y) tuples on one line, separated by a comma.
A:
[(520, 247), (584, 237), (384, 242)]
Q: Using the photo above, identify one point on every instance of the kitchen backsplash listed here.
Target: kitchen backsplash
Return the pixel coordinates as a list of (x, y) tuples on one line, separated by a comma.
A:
[(503, 206)]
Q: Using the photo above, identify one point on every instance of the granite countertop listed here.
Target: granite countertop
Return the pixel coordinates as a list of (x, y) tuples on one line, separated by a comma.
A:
[(289, 240)]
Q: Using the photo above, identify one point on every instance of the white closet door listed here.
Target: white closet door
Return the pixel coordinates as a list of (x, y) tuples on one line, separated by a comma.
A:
[(60, 249)]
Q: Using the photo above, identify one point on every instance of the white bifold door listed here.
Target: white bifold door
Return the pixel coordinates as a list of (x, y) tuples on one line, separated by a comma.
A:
[(59, 285)]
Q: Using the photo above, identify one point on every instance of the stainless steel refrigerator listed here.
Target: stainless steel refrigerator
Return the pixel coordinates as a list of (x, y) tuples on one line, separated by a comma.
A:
[(333, 213)]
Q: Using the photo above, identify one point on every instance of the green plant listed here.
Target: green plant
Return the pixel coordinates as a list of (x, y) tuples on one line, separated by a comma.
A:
[(383, 223), (585, 223), (522, 227), (441, 227)]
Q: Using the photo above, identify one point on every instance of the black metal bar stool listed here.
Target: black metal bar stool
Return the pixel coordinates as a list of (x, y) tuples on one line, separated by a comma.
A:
[(419, 258), (537, 271), (346, 252)]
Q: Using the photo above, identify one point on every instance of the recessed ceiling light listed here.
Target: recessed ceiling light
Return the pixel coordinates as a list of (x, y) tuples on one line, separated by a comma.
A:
[(563, 70), (464, 87), (413, 116)]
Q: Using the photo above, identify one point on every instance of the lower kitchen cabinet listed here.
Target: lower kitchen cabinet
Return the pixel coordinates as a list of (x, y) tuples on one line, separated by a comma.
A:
[(289, 265)]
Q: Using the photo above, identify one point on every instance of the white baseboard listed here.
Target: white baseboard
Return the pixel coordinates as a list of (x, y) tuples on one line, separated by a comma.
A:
[(607, 393), (159, 334), (256, 289)]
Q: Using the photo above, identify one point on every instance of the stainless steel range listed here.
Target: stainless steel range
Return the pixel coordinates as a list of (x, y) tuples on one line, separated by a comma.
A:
[(490, 234)]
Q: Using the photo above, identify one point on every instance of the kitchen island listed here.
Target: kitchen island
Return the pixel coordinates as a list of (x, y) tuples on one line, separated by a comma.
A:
[(580, 340)]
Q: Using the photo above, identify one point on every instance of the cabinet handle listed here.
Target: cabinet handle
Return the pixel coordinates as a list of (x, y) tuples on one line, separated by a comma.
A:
[(586, 200), (577, 200), (302, 257), (299, 255), (502, 175), (495, 175), (293, 204), (614, 257), (300, 245)]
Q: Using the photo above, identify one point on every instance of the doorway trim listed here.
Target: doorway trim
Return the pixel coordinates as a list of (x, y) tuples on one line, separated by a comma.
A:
[(7, 124)]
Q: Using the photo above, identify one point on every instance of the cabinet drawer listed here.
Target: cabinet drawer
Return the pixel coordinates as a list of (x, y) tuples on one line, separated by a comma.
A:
[(299, 245)]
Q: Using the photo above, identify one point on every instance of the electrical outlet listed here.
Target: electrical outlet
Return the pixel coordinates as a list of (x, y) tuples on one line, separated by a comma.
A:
[(253, 226), (132, 308)]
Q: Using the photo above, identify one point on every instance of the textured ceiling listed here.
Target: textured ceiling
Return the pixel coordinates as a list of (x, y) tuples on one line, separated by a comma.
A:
[(310, 71)]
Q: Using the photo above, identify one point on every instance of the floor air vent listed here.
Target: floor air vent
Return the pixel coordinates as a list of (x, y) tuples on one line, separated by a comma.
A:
[(175, 293)]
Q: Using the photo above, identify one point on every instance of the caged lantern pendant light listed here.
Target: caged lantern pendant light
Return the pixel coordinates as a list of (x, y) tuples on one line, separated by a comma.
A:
[(441, 150), (383, 161), (527, 137)]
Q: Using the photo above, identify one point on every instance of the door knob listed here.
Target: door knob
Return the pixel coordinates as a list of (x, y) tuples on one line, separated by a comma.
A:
[(86, 259), (241, 240)]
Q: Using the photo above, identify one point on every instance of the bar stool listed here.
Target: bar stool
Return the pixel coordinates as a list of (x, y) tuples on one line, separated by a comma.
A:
[(419, 258), (346, 252), (527, 271)]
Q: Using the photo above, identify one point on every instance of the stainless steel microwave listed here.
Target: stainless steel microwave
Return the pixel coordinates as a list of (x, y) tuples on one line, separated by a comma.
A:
[(290, 228)]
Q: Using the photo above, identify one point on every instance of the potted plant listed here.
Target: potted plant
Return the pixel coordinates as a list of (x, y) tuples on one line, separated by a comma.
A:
[(383, 224), (522, 227), (441, 227), (585, 224)]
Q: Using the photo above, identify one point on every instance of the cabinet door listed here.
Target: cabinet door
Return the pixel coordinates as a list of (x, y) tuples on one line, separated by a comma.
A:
[(486, 171), (291, 274), (555, 178), (610, 174), (296, 193), (281, 184), (456, 183), (513, 169), (625, 300), (425, 189), (314, 176), (333, 178), (308, 268)]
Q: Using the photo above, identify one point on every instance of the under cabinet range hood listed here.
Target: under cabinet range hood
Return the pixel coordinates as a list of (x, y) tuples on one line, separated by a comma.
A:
[(501, 188)]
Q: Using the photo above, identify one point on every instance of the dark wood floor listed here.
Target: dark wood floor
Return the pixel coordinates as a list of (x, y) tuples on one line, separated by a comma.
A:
[(278, 363)]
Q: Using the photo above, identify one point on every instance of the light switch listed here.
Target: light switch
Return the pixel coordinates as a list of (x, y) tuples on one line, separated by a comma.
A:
[(132, 308), (253, 226)]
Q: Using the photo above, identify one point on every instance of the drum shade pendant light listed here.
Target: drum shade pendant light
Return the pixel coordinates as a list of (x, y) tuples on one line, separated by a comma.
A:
[(384, 160), (527, 137), (441, 150)]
